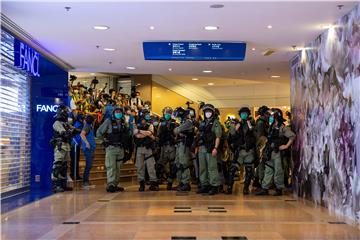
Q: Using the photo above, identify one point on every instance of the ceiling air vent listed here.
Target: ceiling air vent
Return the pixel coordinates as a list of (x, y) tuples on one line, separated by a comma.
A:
[(268, 52)]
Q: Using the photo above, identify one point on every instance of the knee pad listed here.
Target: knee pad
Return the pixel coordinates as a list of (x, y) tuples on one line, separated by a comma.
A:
[(57, 172)]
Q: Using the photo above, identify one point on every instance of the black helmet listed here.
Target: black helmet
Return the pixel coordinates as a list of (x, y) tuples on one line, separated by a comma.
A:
[(117, 108), (62, 113), (80, 117), (209, 107), (246, 110), (143, 112), (262, 110), (89, 119), (181, 112), (278, 115), (167, 110)]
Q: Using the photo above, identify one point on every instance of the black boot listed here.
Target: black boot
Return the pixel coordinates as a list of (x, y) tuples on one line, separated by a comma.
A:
[(229, 189), (262, 192), (119, 189), (214, 190), (56, 186), (65, 186), (142, 186), (203, 189), (256, 183), (278, 192), (154, 186), (176, 188), (111, 189), (230, 181), (246, 190), (169, 186), (248, 177), (185, 188)]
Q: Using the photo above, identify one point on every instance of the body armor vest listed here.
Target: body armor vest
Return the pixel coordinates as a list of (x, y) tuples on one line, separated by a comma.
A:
[(144, 142), (119, 133), (207, 136), (244, 138), (167, 136), (65, 137)]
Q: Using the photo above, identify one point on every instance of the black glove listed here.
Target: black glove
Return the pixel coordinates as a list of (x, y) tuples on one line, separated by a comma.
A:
[(105, 144), (67, 135)]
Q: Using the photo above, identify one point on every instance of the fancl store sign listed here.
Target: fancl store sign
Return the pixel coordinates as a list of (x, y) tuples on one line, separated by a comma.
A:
[(26, 58), (46, 108)]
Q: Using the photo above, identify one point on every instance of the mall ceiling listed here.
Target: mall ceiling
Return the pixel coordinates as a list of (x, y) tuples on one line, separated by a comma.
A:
[(67, 30)]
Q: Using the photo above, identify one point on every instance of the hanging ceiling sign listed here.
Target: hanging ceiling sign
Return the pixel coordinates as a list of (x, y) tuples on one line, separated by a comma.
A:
[(194, 51), (26, 58)]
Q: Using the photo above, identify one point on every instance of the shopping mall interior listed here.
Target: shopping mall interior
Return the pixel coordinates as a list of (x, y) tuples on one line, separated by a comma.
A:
[(180, 120)]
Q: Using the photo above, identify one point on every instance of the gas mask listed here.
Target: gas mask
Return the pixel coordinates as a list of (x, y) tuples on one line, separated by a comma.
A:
[(243, 116), (118, 115), (271, 120), (167, 116)]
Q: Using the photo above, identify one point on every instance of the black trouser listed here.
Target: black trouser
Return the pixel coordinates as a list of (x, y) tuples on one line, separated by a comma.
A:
[(74, 164)]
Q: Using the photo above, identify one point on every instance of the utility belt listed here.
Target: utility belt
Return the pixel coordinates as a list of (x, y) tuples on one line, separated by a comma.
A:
[(167, 143), (146, 145), (56, 142), (121, 145)]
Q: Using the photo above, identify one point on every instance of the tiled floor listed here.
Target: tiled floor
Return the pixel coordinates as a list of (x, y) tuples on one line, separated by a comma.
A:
[(150, 215)]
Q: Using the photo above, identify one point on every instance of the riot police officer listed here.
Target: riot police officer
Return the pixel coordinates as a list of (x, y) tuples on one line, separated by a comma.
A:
[(243, 140), (166, 137), (279, 139), (117, 143), (144, 140), (261, 131), (209, 147), (184, 139), (63, 133)]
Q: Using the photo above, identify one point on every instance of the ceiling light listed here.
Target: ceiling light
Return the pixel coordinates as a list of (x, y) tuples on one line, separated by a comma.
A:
[(211, 28), (275, 76), (253, 49), (194, 79), (328, 26), (152, 28), (109, 49), (101, 27), (207, 71), (131, 68), (211, 84), (217, 6), (92, 74), (170, 69), (269, 27)]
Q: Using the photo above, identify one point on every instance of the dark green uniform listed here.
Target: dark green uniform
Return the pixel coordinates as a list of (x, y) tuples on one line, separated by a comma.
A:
[(184, 137), (166, 136), (61, 143), (261, 131), (118, 137), (144, 155), (208, 164), (274, 171), (243, 143)]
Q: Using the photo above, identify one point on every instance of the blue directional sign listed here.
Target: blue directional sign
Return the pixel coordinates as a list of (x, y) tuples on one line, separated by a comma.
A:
[(195, 51)]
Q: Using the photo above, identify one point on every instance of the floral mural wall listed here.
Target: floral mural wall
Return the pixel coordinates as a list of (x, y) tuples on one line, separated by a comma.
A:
[(325, 98)]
